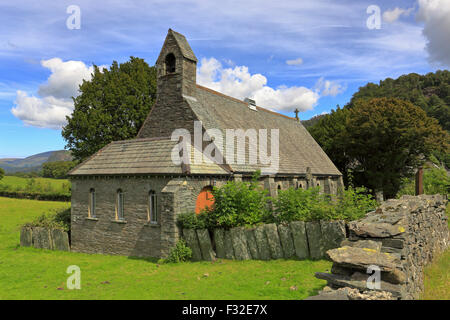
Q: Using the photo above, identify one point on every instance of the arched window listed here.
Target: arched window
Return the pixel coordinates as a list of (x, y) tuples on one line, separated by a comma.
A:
[(170, 63), (91, 211), (152, 207), (205, 199), (119, 205)]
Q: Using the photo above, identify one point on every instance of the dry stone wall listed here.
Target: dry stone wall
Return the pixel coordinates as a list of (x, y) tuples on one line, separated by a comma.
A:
[(399, 238), (43, 238), (303, 240)]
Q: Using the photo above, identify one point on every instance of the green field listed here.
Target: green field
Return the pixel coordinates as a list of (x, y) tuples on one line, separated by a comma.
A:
[(13, 183), (28, 273)]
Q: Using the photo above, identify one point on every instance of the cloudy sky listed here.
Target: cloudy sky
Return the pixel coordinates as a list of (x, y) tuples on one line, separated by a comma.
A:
[(306, 54)]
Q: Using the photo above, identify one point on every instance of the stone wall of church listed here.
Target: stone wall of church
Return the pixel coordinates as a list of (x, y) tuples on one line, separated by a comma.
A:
[(134, 236)]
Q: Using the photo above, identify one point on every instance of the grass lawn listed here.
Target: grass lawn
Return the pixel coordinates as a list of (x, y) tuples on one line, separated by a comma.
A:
[(28, 273), (12, 183)]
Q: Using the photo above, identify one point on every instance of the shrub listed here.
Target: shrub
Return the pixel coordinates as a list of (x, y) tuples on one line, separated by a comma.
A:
[(191, 220), (238, 204), (58, 219), (308, 205), (180, 253), (435, 180)]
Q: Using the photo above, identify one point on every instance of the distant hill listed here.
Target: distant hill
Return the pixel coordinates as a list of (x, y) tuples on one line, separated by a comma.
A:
[(34, 162), (431, 92), (312, 121)]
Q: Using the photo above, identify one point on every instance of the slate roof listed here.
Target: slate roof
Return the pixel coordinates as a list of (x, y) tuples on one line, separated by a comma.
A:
[(141, 156), (297, 149)]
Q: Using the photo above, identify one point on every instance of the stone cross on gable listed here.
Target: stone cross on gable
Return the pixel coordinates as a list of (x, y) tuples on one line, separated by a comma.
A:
[(296, 114)]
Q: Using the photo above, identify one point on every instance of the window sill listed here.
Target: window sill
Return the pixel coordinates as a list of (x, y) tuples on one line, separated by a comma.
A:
[(91, 219), (119, 221), (153, 224)]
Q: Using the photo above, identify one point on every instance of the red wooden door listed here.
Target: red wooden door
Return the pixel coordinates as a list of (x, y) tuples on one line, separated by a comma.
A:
[(204, 199)]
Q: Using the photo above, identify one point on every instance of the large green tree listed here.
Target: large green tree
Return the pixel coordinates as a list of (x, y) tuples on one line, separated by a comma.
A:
[(111, 106), (381, 140)]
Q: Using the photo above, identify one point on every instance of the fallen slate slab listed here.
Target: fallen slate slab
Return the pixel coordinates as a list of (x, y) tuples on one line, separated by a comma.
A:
[(333, 233), (314, 235), (251, 244), (60, 240), (298, 231), (375, 230), (359, 282), (192, 241), (26, 237), (362, 258), (42, 238), (287, 243), (229, 251), (204, 241), (276, 252), (239, 244), (262, 243), (219, 241), (369, 244)]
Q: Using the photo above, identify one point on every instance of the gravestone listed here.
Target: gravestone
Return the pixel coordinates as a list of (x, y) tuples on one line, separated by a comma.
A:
[(204, 241), (42, 238)]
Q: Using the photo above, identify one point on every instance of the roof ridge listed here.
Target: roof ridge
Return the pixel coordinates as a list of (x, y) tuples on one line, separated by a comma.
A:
[(240, 101), (142, 139)]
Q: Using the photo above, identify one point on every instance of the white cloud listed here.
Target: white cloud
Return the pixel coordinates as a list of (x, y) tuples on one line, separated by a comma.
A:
[(435, 14), (294, 62), (239, 83), (390, 16), (54, 98), (329, 88)]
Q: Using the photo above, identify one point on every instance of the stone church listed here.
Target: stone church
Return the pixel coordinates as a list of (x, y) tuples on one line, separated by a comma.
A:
[(127, 196)]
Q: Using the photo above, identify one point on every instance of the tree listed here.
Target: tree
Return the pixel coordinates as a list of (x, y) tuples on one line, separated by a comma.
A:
[(2, 173), (381, 140), (111, 106), (57, 169)]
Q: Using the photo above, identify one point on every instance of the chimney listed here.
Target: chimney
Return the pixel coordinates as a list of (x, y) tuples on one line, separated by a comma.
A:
[(251, 103)]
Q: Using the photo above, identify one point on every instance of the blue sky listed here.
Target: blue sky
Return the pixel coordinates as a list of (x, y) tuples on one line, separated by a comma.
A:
[(313, 54)]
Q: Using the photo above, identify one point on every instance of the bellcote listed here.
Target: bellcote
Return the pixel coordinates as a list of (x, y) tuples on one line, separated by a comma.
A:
[(176, 67)]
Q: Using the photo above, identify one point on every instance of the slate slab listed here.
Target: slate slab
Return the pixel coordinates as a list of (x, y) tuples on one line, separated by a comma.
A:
[(239, 241), (219, 241), (229, 251), (251, 244), (287, 243), (206, 248), (192, 241), (333, 233), (314, 235), (42, 238), (60, 240), (26, 237), (262, 243), (298, 231), (276, 251)]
